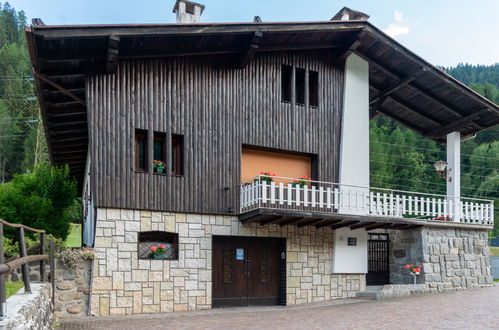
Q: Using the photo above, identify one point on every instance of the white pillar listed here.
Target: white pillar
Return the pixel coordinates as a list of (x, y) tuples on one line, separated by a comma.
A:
[(354, 147), (454, 172)]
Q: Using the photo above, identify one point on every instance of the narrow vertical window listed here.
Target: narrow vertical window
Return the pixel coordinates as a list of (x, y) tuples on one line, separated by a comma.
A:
[(177, 155), (313, 88), (140, 150), (159, 152), (300, 86), (286, 83)]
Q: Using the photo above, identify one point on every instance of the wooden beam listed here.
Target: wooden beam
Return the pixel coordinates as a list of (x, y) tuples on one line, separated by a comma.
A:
[(59, 87), (361, 225), (400, 120), (344, 224), (113, 44), (310, 223), (409, 107), (298, 46), (468, 120), (271, 219), (395, 86), (249, 53), (354, 44), (327, 223), (418, 88), (379, 226), (291, 221)]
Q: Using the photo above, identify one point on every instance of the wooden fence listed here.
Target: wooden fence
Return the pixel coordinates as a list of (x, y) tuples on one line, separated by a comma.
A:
[(22, 260)]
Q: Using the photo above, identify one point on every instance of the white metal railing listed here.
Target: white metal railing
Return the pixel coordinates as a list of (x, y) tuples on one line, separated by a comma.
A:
[(321, 196)]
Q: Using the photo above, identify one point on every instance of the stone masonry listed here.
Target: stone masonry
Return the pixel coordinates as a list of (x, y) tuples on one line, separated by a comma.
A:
[(452, 258), (124, 284), (72, 288)]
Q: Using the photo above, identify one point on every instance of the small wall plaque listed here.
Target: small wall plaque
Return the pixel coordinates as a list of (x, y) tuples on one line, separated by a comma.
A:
[(352, 241), (239, 254)]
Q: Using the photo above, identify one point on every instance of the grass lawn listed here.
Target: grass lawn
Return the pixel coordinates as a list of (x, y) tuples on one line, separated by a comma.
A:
[(74, 237), (13, 287), (494, 251)]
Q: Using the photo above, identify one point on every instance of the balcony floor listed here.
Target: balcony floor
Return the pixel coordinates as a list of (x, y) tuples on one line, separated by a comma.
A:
[(265, 216)]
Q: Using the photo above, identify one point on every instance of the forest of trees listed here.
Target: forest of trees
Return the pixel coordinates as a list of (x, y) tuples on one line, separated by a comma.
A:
[(400, 158)]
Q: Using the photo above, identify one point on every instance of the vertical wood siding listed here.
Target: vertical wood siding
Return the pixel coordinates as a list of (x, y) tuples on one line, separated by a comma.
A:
[(217, 110)]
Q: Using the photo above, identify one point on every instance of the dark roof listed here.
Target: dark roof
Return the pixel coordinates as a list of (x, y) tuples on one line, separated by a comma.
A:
[(403, 86)]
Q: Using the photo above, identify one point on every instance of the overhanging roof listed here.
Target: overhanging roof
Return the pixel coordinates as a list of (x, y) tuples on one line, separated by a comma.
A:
[(403, 86)]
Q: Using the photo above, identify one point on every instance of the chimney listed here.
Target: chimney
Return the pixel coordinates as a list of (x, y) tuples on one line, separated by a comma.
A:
[(188, 11), (347, 14)]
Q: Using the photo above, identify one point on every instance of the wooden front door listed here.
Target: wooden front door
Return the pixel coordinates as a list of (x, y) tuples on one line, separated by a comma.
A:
[(246, 271)]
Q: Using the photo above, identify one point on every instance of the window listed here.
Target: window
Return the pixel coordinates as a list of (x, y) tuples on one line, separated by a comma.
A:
[(286, 82), (158, 245), (177, 154), (140, 150), (300, 86), (159, 152), (313, 88)]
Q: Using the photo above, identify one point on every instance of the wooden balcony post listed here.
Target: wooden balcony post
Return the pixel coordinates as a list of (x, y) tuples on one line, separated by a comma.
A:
[(2, 280), (52, 269), (25, 267), (42, 262)]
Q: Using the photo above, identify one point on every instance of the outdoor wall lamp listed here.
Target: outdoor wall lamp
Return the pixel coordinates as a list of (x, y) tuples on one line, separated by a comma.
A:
[(442, 171)]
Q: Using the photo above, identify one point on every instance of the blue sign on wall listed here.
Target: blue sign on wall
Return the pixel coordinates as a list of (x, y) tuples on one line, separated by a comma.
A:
[(239, 254)]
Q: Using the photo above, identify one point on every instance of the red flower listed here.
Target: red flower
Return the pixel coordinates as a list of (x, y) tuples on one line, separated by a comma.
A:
[(407, 266), (273, 174), (162, 246), (420, 266), (262, 173), (153, 248)]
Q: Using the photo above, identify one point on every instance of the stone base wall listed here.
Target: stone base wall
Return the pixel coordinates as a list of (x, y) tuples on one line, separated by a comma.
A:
[(452, 258), (123, 284), (455, 259), (30, 310), (72, 288)]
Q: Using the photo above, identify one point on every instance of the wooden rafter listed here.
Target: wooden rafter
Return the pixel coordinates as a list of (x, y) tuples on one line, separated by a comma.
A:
[(327, 223), (113, 44), (59, 87), (354, 44), (249, 52), (271, 219), (310, 223), (344, 224), (361, 225), (379, 226), (468, 120), (395, 86), (291, 221)]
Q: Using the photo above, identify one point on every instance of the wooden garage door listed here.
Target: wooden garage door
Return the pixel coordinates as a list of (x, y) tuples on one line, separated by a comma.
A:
[(285, 165), (247, 271)]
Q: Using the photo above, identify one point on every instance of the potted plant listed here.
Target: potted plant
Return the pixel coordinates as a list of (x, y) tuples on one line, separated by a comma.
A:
[(414, 270), (301, 181), (266, 176), (159, 166), (159, 252)]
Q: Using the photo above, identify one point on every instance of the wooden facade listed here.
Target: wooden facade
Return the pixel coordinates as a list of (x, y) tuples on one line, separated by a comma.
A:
[(217, 109)]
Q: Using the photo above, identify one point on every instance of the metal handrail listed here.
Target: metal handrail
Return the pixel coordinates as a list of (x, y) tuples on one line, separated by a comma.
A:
[(258, 177)]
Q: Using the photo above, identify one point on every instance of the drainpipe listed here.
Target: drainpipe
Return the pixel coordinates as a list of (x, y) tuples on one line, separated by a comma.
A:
[(454, 173)]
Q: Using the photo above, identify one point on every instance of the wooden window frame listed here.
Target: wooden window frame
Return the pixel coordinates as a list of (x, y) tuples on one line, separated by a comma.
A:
[(159, 137), (286, 83), (313, 88), (300, 86), (177, 155), (140, 133)]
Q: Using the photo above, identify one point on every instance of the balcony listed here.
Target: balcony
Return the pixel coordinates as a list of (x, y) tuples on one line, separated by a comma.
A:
[(331, 204)]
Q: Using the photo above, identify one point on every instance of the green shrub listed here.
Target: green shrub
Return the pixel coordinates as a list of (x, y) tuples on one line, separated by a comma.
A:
[(43, 199)]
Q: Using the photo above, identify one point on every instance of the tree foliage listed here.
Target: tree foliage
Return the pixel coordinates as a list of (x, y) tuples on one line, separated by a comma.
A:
[(42, 199)]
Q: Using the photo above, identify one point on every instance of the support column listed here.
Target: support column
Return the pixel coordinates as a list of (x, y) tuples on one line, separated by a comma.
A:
[(454, 173), (354, 148)]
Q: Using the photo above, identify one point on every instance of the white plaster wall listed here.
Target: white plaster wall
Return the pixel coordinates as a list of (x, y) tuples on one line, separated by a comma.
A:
[(349, 259), (354, 148)]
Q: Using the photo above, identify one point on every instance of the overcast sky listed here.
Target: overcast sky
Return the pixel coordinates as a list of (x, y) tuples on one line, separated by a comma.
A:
[(444, 32)]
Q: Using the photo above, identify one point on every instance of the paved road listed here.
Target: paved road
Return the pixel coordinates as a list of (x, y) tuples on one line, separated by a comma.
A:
[(474, 309)]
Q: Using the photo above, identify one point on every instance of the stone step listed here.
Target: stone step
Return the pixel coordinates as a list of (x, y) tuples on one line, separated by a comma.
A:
[(367, 294)]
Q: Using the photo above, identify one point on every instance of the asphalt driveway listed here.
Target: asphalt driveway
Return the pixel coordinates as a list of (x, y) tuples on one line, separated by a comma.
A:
[(473, 309)]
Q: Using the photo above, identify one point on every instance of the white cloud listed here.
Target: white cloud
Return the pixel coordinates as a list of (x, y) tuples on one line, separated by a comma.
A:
[(399, 28), (394, 30)]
